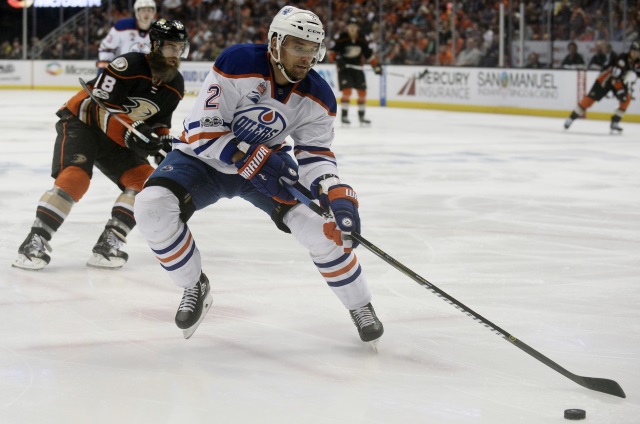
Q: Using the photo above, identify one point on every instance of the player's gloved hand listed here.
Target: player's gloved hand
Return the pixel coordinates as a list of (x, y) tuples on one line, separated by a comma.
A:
[(167, 145), (140, 146), (621, 94), (343, 201), (377, 69), (620, 91), (267, 171)]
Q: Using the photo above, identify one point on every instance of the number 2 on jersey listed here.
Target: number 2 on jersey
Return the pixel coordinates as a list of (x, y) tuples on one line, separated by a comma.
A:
[(210, 103)]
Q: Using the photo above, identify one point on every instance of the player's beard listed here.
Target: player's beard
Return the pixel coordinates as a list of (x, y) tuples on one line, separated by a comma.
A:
[(161, 69), (296, 73)]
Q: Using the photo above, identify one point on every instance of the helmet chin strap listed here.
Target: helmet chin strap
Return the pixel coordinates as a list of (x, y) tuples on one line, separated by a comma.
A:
[(281, 67)]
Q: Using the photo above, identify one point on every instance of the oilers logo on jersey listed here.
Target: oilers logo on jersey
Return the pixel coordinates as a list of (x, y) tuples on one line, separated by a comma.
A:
[(258, 124)]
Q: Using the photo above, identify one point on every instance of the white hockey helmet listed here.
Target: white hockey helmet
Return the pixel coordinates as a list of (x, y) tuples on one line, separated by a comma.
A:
[(144, 20), (139, 4), (298, 23)]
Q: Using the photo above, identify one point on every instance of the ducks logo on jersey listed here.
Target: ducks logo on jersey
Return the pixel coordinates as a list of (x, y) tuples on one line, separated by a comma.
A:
[(139, 108), (258, 124)]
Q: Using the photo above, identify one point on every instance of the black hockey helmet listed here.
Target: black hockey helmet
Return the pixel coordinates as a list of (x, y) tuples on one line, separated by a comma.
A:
[(635, 46), (353, 20), (163, 30)]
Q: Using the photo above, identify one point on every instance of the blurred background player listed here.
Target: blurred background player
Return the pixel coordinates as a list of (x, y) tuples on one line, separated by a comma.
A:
[(143, 90), (254, 98), (128, 34), (351, 51), (613, 78)]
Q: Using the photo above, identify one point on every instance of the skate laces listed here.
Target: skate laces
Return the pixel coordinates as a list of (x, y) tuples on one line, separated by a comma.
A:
[(114, 239), (38, 244), (190, 298), (363, 316)]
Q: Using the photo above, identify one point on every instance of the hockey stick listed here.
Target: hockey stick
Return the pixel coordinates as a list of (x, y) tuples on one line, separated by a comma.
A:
[(117, 118), (598, 384), (419, 77)]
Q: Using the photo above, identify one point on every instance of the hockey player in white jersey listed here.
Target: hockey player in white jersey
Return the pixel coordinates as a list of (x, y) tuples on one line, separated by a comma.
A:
[(128, 34), (233, 145)]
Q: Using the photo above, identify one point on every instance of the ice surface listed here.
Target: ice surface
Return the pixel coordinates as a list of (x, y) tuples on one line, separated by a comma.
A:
[(534, 227)]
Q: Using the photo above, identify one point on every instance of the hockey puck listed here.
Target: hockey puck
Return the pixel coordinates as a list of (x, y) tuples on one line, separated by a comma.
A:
[(575, 414)]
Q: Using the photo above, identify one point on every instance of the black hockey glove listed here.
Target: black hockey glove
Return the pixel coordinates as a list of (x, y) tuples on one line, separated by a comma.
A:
[(621, 94), (377, 69), (167, 145), (138, 145), (620, 90)]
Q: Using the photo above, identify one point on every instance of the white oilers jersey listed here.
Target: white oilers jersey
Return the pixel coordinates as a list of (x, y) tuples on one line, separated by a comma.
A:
[(124, 37), (240, 102)]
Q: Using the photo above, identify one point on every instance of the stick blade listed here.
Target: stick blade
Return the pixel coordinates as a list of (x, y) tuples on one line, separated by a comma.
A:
[(603, 385)]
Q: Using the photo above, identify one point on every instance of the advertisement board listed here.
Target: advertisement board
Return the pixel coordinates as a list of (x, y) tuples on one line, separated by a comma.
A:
[(15, 74), (62, 73), (541, 92)]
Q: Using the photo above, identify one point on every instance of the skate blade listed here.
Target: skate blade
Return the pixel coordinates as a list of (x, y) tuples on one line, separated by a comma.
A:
[(23, 262), (616, 132), (188, 332), (99, 261), (374, 345)]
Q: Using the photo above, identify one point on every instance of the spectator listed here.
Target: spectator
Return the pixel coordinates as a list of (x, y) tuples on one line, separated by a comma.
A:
[(573, 59), (471, 55), (600, 59), (491, 57), (611, 55), (395, 54), (533, 61), (413, 55), (445, 58)]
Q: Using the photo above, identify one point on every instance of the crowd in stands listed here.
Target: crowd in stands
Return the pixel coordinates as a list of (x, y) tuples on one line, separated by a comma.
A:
[(413, 32)]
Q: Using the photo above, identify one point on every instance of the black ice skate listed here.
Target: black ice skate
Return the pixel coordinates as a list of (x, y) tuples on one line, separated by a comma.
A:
[(363, 121), (107, 253), (369, 326), (195, 304), (574, 115), (32, 253), (615, 127), (345, 120)]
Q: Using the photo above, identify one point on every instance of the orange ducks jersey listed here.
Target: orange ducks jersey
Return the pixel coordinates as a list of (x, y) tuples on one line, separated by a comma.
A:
[(127, 89), (613, 75)]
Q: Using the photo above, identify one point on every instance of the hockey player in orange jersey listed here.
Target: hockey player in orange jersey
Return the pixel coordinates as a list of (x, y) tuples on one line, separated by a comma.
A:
[(611, 79), (140, 89)]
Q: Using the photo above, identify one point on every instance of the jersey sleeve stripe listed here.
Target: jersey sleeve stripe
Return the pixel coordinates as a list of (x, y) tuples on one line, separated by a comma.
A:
[(344, 281), (341, 271), (236, 76), (311, 149), (205, 135), (309, 161), (303, 154), (316, 100)]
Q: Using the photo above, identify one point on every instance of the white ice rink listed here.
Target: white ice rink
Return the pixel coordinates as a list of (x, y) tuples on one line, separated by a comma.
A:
[(535, 228)]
